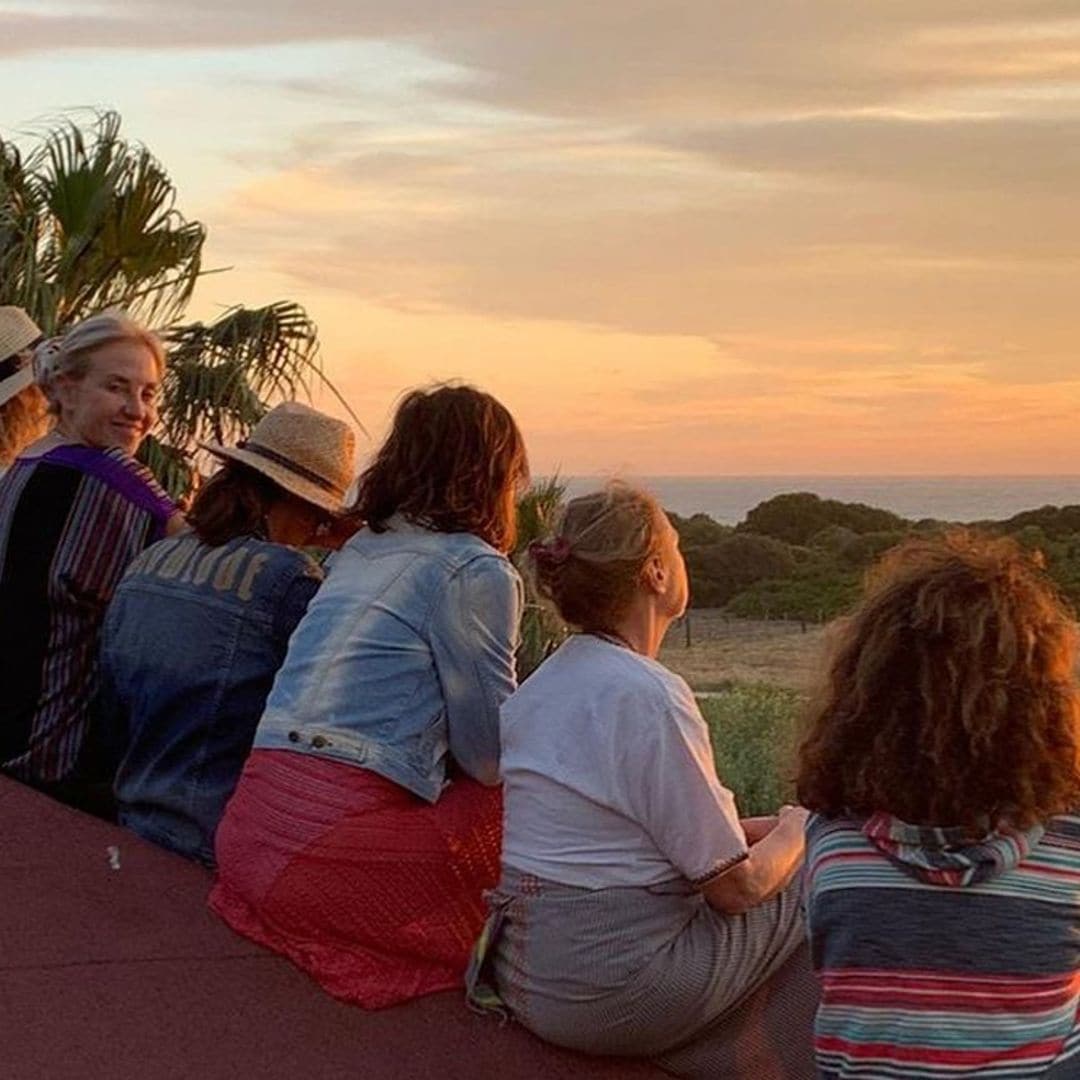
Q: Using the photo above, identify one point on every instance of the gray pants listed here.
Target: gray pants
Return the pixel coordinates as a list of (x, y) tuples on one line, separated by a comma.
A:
[(656, 972)]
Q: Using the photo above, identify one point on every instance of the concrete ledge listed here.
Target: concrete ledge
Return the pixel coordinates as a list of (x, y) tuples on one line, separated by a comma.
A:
[(123, 974)]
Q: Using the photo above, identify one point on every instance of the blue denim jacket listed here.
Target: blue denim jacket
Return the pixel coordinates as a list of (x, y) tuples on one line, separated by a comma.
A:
[(192, 640), (403, 658)]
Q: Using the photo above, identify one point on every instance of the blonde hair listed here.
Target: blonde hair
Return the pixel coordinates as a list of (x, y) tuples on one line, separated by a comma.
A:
[(592, 567), (70, 355)]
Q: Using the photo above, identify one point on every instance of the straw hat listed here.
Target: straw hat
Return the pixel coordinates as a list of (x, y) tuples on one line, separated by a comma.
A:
[(17, 333), (302, 450)]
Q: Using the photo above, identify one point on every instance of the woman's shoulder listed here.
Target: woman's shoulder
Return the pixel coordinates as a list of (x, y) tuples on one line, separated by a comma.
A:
[(116, 470), (592, 665)]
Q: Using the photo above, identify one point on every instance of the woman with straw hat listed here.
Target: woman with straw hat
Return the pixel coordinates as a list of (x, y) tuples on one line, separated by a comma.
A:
[(23, 407), (366, 823), (199, 625), (75, 509)]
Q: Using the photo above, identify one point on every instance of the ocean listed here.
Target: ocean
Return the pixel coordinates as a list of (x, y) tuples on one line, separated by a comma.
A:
[(945, 498)]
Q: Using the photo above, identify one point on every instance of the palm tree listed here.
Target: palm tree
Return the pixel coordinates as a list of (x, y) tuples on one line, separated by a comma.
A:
[(542, 631), (89, 221)]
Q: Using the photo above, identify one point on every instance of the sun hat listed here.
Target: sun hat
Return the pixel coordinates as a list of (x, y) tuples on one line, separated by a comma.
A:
[(17, 333), (302, 450)]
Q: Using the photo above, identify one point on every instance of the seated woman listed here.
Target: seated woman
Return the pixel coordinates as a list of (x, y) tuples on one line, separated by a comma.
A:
[(23, 408), (943, 863), (199, 625), (635, 911), (366, 823), (75, 509)]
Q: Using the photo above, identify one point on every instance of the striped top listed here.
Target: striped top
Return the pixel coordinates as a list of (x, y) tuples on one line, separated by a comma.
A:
[(944, 956), (70, 522)]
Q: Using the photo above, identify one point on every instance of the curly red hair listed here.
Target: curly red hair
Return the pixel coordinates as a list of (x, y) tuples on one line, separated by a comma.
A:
[(950, 697), (453, 461)]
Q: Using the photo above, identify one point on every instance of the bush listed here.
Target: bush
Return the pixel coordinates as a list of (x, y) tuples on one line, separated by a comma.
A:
[(718, 571), (753, 731), (698, 530), (797, 516), (816, 596)]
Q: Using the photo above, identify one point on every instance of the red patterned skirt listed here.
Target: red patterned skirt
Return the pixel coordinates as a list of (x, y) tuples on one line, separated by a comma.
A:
[(373, 892)]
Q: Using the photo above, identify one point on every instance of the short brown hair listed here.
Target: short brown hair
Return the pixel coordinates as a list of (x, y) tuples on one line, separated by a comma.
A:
[(452, 462), (950, 697), (593, 566), (233, 502)]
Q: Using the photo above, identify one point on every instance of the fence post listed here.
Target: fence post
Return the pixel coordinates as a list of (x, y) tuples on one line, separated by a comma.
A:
[(686, 620)]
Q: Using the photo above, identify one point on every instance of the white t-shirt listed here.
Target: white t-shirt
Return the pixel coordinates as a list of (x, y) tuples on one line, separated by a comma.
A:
[(609, 776)]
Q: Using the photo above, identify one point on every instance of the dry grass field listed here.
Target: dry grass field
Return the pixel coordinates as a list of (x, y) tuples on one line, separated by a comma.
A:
[(723, 650)]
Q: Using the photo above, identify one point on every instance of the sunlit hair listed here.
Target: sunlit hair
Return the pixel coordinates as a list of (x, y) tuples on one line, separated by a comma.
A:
[(234, 502), (453, 462), (23, 419), (950, 695), (591, 568), (71, 354)]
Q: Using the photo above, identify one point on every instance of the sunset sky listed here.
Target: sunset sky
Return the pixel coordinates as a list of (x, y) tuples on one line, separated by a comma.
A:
[(674, 236)]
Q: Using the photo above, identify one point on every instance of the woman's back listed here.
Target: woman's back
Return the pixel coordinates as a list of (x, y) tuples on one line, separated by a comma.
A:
[(191, 644), (941, 952), (395, 660)]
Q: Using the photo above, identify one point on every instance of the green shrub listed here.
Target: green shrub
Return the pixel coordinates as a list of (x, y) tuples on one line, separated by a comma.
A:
[(719, 570), (797, 516), (816, 596), (753, 729)]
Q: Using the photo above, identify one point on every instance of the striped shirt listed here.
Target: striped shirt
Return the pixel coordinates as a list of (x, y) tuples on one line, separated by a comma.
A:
[(940, 957), (70, 522)]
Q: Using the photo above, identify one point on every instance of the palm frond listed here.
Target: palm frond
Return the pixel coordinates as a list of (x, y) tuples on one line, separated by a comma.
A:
[(111, 235), (542, 630)]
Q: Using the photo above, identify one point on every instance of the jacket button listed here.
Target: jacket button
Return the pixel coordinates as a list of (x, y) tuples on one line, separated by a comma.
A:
[(294, 736), (318, 742)]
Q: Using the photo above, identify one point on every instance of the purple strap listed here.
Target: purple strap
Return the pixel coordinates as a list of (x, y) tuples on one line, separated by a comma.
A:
[(120, 472)]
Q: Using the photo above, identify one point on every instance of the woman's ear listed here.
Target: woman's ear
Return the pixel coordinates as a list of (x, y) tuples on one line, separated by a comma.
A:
[(654, 574)]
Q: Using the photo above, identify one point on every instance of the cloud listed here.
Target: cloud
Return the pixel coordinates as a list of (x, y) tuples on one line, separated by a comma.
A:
[(856, 211)]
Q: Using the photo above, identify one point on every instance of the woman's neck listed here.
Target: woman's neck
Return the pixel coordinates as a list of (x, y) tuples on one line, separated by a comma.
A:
[(643, 627)]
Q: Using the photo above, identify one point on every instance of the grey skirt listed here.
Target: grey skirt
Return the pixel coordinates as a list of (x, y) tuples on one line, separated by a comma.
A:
[(652, 972)]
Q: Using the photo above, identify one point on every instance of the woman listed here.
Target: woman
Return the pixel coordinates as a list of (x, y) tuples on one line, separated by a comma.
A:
[(23, 408), (366, 822), (944, 858), (635, 911), (200, 623), (75, 509)]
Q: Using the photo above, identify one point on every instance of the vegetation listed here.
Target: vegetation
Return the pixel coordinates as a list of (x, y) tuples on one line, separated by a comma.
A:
[(798, 556), (754, 736), (89, 221), (541, 628)]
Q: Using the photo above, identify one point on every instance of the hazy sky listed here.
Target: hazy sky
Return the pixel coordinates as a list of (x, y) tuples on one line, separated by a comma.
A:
[(674, 236)]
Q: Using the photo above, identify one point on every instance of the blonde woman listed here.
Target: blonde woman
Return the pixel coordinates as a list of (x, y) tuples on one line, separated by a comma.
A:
[(636, 911), (75, 509)]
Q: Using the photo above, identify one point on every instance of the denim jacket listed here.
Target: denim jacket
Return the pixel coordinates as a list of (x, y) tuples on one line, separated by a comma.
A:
[(192, 640), (403, 658)]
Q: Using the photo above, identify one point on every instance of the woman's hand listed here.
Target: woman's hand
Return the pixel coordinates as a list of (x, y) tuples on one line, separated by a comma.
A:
[(757, 828), (772, 862)]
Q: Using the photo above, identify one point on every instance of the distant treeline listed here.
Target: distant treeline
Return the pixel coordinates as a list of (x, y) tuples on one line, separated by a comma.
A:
[(799, 556)]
